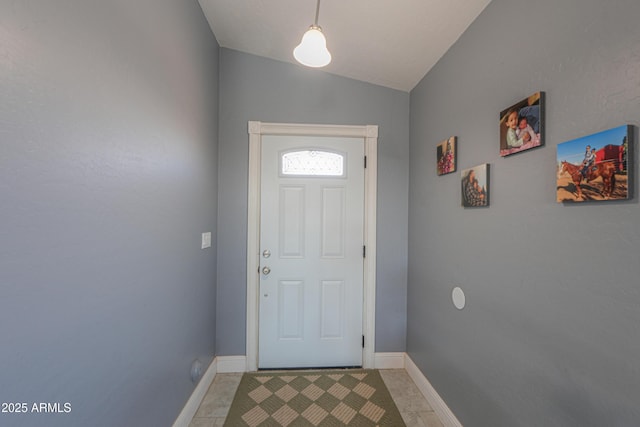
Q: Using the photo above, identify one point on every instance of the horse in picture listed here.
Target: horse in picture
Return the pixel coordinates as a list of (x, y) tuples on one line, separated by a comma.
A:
[(606, 170)]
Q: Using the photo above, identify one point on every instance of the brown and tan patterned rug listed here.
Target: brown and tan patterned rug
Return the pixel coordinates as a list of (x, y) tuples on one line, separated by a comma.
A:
[(346, 397)]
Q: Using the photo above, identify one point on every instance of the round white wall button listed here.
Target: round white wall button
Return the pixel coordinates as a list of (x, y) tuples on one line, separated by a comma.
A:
[(458, 298)]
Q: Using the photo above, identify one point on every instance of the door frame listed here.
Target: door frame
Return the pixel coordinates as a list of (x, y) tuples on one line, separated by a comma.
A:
[(370, 135)]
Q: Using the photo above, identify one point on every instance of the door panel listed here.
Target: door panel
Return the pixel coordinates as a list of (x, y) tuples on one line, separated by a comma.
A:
[(291, 310), (311, 225), (333, 222), (291, 226), (332, 310)]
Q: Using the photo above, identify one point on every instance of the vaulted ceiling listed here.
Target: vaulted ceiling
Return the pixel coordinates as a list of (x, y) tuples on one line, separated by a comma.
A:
[(391, 43)]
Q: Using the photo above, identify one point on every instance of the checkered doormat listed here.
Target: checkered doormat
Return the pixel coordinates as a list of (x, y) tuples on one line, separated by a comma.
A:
[(354, 397)]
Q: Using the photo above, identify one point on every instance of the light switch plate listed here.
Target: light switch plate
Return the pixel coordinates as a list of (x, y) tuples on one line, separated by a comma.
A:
[(206, 240)]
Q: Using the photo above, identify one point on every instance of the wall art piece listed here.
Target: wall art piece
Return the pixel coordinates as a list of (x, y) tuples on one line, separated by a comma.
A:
[(475, 186), (522, 125), (596, 167), (446, 156)]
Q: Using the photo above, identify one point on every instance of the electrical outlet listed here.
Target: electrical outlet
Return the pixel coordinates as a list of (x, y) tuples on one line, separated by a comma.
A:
[(196, 371)]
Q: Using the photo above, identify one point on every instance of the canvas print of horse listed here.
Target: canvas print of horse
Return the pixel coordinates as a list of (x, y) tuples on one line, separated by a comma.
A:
[(446, 156), (595, 167), (522, 125), (475, 186)]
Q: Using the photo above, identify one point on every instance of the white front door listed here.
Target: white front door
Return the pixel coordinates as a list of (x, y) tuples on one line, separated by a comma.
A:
[(311, 251)]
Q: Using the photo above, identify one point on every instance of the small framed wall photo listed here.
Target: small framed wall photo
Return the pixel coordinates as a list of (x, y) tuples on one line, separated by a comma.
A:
[(475, 186), (596, 167), (522, 125), (446, 156)]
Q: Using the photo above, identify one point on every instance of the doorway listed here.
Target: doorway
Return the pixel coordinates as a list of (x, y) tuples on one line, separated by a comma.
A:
[(311, 249), (284, 299)]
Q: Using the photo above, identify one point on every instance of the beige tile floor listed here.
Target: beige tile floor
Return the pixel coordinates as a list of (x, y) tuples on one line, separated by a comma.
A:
[(415, 410)]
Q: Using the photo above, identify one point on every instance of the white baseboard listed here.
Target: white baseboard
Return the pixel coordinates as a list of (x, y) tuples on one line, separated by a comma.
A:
[(439, 406), (388, 360), (228, 364), (192, 405)]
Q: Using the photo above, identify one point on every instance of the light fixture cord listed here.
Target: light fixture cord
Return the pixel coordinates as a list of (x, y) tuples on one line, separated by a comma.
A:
[(317, 13)]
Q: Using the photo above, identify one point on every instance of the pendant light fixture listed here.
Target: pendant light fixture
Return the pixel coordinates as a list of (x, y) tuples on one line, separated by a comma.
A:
[(312, 50)]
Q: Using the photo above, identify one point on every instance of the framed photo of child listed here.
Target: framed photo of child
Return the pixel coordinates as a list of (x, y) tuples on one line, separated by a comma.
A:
[(475, 186), (522, 125), (446, 156)]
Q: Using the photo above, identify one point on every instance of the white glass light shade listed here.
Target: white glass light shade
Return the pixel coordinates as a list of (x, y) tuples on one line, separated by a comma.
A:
[(312, 50)]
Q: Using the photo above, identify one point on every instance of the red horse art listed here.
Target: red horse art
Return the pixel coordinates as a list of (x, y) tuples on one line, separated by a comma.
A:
[(606, 170)]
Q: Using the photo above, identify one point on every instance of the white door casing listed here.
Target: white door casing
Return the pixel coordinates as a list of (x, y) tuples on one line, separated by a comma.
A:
[(311, 246), (256, 131)]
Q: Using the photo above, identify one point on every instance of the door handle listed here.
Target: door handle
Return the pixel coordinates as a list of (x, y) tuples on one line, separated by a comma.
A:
[(266, 270)]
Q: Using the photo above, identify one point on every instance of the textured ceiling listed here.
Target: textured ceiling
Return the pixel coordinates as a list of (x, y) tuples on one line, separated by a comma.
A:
[(388, 43)]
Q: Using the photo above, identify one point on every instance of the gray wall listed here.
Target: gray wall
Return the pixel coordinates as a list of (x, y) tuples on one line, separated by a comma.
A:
[(255, 88), (108, 175), (550, 333)]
